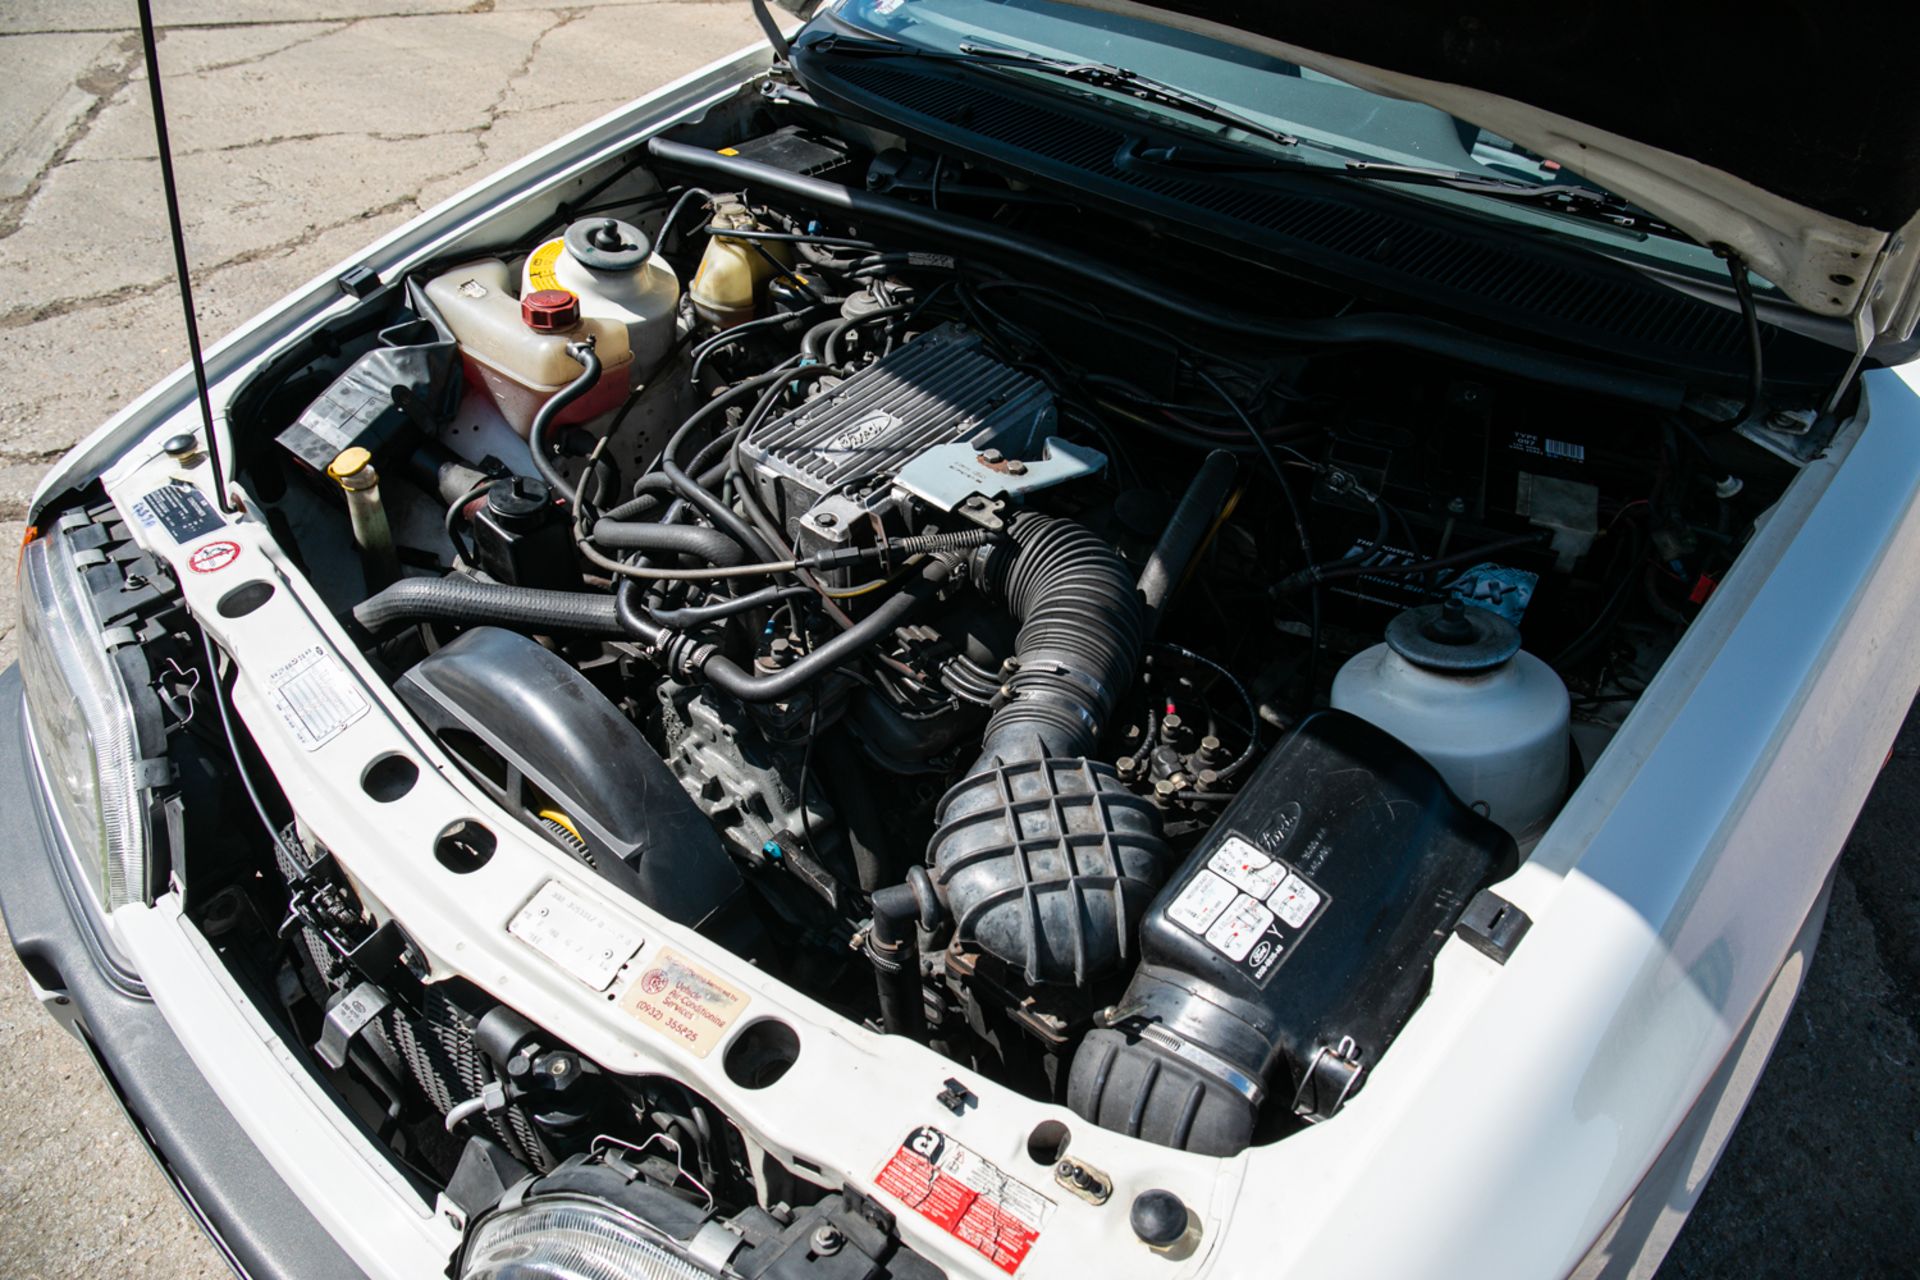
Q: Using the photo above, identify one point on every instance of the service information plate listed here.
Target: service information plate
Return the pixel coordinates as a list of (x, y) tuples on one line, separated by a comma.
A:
[(576, 934)]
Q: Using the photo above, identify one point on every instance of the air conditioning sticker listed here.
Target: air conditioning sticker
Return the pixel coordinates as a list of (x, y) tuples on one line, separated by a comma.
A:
[(1250, 907), (683, 1002), (967, 1196)]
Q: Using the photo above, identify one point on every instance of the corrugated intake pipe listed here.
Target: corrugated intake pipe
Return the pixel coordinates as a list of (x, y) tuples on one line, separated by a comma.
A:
[(1041, 855)]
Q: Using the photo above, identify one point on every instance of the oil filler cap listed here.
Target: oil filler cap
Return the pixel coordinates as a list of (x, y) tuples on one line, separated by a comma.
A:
[(607, 244), (550, 310), (1453, 638)]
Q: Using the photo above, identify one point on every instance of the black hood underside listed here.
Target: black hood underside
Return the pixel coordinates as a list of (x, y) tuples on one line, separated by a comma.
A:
[(1814, 102)]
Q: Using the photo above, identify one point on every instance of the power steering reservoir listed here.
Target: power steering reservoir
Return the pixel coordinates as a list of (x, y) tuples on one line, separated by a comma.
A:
[(1452, 683)]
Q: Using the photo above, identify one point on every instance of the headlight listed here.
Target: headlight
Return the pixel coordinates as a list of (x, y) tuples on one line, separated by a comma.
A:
[(82, 724), (571, 1238)]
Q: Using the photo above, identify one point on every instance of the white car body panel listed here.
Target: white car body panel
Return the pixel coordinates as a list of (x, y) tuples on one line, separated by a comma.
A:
[(1520, 1109)]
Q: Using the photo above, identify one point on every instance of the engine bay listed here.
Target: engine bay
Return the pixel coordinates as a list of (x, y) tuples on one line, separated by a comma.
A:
[(1126, 711)]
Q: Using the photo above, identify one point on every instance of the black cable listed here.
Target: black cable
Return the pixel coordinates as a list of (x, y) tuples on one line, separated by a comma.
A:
[(1750, 318), (1246, 699), (219, 695), (460, 547), (537, 443), (1299, 525), (790, 237), (747, 329), (698, 615), (673, 214)]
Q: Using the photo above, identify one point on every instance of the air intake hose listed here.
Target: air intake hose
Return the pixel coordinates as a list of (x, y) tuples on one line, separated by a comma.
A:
[(1043, 857)]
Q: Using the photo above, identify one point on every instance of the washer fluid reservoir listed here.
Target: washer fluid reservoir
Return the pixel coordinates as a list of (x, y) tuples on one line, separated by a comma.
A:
[(1452, 683), (612, 268)]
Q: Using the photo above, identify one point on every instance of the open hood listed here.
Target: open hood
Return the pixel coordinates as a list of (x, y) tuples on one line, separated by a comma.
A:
[(1790, 133)]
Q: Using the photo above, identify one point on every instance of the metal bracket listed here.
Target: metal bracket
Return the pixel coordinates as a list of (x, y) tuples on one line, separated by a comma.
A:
[(948, 474), (1329, 1078)]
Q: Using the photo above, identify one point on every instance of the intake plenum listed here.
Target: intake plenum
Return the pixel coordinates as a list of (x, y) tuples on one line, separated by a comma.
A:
[(1042, 856)]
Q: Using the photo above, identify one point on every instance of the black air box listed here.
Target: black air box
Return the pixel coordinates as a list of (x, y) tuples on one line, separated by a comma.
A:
[(1295, 942)]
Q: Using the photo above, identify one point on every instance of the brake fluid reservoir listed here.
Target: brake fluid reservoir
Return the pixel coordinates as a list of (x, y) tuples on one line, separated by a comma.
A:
[(733, 273), (515, 349), (611, 267), (1452, 683)]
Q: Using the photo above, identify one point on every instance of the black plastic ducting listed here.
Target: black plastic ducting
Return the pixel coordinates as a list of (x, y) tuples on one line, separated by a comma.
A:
[(1042, 856), (538, 737)]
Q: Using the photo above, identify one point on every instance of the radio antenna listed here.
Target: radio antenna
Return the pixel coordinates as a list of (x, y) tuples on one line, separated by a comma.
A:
[(180, 255)]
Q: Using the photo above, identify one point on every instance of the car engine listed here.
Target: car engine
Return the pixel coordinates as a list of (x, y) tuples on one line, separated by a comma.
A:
[(1126, 713)]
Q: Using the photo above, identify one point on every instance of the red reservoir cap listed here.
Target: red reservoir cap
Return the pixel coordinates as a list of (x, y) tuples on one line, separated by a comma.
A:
[(550, 310)]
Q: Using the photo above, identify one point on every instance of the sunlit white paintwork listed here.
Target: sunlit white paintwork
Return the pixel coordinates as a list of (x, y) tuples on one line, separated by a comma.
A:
[(1513, 1118)]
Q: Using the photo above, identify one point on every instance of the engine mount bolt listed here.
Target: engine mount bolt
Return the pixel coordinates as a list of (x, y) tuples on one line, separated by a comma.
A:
[(993, 457), (826, 520), (1016, 468), (827, 1239)]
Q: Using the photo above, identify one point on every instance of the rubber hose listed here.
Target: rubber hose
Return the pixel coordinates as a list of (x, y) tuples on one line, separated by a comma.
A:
[(1184, 533), (466, 601), (1360, 329), (559, 400), (893, 948), (709, 545), (709, 664), (873, 862), (1082, 631), (721, 672), (696, 615), (654, 488)]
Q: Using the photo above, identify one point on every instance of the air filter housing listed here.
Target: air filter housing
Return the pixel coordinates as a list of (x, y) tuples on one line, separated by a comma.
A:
[(940, 388)]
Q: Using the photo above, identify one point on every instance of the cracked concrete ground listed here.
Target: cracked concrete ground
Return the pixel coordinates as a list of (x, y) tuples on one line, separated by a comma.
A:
[(303, 133)]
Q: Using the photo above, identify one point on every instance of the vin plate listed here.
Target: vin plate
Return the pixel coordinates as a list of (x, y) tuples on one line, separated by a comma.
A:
[(576, 935)]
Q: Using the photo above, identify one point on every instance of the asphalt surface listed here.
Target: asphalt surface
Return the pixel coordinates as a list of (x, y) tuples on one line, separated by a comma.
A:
[(303, 132)]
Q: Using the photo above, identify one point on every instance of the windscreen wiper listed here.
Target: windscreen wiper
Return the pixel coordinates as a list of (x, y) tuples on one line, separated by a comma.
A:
[(1571, 199), (1099, 75)]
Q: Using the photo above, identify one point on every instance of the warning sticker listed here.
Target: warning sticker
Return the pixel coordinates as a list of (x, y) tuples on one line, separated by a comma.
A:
[(315, 696), (683, 1001), (182, 510), (213, 557), (1246, 868), (968, 1197), (541, 263), (1295, 902), (1202, 901), (1244, 924), (1249, 906), (576, 934)]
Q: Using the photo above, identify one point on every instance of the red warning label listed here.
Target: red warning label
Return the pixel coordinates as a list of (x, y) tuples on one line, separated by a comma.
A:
[(968, 1197), (213, 557)]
